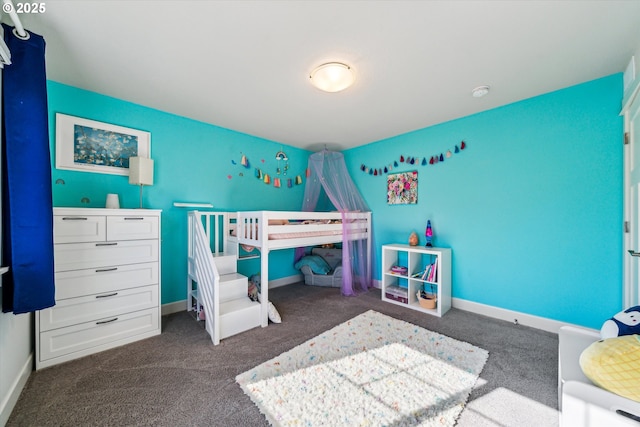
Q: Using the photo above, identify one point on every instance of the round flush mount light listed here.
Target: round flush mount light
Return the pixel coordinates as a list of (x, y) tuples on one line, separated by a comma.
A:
[(332, 77), (480, 91)]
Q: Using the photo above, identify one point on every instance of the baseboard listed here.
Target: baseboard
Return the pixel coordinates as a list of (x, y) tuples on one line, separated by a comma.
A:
[(174, 307), (537, 322), (7, 405), (543, 323), (284, 281), (178, 306)]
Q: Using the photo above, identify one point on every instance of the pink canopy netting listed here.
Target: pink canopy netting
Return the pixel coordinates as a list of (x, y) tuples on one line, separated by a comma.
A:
[(330, 179)]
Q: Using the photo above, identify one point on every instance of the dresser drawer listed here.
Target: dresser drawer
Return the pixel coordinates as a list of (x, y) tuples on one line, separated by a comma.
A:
[(85, 336), (132, 227), (79, 228), (84, 309), (76, 283), (76, 256)]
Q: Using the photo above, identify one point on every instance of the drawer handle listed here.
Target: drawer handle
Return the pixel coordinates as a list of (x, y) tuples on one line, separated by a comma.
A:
[(133, 219), (74, 218), (628, 415), (102, 322), (108, 295), (107, 244), (102, 270)]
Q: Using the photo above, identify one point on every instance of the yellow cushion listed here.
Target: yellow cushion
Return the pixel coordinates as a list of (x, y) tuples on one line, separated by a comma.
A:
[(614, 364)]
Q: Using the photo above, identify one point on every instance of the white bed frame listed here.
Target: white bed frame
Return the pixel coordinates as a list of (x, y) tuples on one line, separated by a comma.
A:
[(253, 228)]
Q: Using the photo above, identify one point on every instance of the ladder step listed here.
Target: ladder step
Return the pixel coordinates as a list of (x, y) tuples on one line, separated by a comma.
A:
[(239, 315), (225, 263), (233, 286)]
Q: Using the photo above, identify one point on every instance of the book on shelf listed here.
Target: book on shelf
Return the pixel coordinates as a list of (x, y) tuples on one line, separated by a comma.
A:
[(430, 273), (427, 270), (433, 273)]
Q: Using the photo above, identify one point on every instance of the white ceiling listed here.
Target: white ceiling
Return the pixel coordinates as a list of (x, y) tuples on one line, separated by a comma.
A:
[(244, 65)]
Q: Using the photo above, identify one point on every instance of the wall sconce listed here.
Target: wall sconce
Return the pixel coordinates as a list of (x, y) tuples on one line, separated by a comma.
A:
[(332, 77), (140, 172)]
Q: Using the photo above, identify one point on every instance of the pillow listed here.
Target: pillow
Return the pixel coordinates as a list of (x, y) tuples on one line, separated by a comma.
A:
[(315, 263), (614, 364), (274, 316), (624, 323)]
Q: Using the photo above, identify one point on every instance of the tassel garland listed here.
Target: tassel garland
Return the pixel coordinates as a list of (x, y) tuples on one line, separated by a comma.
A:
[(435, 159)]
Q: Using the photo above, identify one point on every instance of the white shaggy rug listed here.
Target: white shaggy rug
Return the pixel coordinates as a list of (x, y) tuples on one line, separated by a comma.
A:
[(372, 370)]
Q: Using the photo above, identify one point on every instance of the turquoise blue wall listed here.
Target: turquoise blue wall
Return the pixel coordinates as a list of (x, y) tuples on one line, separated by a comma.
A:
[(532, 208), (193, 162)]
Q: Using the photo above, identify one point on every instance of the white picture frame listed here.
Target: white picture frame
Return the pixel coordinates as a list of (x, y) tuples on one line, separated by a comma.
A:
[(91, 146)]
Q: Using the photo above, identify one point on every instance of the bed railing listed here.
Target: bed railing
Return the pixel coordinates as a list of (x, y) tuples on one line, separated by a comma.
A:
[(208, 280), (216, 227), (208, 234), (254, 228)]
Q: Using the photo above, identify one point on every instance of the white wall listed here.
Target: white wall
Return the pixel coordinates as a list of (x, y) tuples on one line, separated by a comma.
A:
[(629, 89), (16, 359)]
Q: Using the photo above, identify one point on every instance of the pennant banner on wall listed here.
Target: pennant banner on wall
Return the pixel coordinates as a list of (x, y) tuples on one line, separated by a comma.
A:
[(277, 182), (413, 161)]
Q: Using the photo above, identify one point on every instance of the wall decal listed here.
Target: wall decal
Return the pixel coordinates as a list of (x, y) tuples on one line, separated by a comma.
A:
[(265, 177), (411, 160)]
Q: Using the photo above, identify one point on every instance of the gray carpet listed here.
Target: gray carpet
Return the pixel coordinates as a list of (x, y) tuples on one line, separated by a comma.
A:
[(180, 379)]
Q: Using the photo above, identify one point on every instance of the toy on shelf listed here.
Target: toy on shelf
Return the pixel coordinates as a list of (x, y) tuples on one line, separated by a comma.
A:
[(399, 270)]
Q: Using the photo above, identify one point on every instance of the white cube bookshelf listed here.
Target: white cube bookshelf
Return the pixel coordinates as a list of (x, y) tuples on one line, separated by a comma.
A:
[(416, 259)]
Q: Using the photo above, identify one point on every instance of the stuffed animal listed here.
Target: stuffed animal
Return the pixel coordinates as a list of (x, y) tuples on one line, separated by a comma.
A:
[(254, 288), (614, 364), (624, 323)]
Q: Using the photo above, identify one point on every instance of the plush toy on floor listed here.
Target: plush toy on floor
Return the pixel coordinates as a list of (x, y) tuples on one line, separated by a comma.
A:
[(626, 322), (254, 295)]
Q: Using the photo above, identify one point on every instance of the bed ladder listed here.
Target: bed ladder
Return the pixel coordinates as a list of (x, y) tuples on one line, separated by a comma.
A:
[(221, 292)]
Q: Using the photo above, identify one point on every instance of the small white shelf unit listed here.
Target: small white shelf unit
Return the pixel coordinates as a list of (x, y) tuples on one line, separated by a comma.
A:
[(416, 259)]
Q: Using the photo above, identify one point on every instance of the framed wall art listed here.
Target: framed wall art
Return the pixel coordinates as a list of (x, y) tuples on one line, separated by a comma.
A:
[(402, 188), (91, 146)]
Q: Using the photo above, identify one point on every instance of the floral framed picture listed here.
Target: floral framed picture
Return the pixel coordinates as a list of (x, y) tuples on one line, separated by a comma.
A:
[(402, 188), (90, 146)]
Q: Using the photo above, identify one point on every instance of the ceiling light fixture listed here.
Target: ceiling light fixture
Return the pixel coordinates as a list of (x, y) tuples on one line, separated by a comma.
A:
[(480, 91), (332, 77)]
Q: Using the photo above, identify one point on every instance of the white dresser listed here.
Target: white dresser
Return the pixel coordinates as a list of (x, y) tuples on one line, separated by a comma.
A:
[(107, 275)]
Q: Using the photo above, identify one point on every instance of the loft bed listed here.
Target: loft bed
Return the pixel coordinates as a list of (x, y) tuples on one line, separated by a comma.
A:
[(273, 230)]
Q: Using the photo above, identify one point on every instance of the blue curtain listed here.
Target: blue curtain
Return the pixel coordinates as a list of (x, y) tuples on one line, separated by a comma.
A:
[(26, 179)]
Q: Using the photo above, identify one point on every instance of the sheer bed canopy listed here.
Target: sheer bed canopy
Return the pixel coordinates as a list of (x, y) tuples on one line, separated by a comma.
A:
[(330, 187)]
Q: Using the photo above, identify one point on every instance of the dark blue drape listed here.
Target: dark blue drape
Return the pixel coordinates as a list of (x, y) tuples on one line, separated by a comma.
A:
[(26, 179)]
